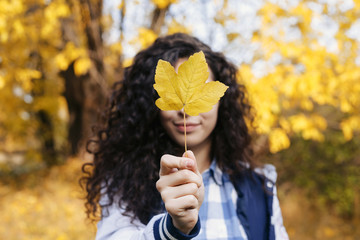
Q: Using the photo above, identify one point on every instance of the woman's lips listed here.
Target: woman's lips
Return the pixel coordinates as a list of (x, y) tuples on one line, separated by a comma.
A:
[(190, 127)]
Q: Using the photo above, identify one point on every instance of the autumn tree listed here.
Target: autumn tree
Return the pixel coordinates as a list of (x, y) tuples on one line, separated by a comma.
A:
[(304, 82), (55, 70), (33, 110), (82, 68)]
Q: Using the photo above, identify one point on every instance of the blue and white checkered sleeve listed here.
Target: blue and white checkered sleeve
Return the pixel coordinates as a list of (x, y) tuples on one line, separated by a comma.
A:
[(277, 220), (269, 171)]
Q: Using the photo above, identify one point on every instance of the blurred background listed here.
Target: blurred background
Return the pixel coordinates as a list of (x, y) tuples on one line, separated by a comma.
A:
[(300, 60)]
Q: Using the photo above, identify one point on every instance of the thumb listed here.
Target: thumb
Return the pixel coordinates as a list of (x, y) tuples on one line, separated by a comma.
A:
[(189, 154)]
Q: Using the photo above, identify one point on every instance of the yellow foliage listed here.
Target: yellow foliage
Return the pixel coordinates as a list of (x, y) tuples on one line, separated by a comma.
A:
[(18, 29), (349, 125), (53, 12), (345, 106), (2, 82), (309, 126), (246, 73), (12, 7), (107, 22), (24, 76), (318, 121), (284, 124), (57, 10), (306, 104), (270, 10), (49, 207), (63, 109), (61, 61), (357, 5), (4, 36), (304, 14), (278, 140), (291, 50), (308, 78), (127, 62), (313, 134), (299, 122), (30, 36), (163, 3), (264, 97), (70, 54), (146, 37), (232, 36), (121, 5), (82, 66), (176, 27), (116, 48)]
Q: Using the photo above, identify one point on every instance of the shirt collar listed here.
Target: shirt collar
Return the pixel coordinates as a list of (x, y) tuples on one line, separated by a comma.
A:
[(216, 173)]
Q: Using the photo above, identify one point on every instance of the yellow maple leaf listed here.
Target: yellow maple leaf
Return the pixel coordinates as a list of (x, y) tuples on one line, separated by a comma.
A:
[(188, 88)]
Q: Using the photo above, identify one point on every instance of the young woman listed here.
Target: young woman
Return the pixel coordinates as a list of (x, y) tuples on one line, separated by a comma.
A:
[(147, 188)]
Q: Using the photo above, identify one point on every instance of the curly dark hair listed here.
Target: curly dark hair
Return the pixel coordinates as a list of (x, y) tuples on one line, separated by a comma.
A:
[(128, 148)]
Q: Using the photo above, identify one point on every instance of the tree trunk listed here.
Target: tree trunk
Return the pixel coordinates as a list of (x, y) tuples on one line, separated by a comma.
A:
[(85, 94), (158, 19), (45, 131)]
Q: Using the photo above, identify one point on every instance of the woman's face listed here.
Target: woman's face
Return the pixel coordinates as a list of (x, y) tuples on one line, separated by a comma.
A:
[(198, 128)]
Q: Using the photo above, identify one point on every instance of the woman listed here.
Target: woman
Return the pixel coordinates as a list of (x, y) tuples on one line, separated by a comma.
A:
[(143, 186)]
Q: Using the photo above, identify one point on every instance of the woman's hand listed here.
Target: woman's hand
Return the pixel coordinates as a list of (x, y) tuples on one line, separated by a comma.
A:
[(182, 189)]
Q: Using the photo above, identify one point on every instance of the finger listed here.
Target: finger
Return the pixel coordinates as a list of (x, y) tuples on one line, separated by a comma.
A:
[(178, 178), (193, 165), (177, 206), (180, 191), (168, 164)]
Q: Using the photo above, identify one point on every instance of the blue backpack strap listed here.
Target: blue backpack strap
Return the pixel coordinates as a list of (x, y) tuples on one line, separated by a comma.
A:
[(241, 204), (254, 205)]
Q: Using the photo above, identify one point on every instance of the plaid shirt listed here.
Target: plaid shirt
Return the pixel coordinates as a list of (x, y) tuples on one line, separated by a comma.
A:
[(218, 211)]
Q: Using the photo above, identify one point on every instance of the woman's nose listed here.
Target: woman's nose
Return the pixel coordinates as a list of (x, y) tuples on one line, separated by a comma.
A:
[(182, 112)]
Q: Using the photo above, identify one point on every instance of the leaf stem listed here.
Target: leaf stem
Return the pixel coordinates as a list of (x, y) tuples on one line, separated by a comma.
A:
[(185, 131)]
